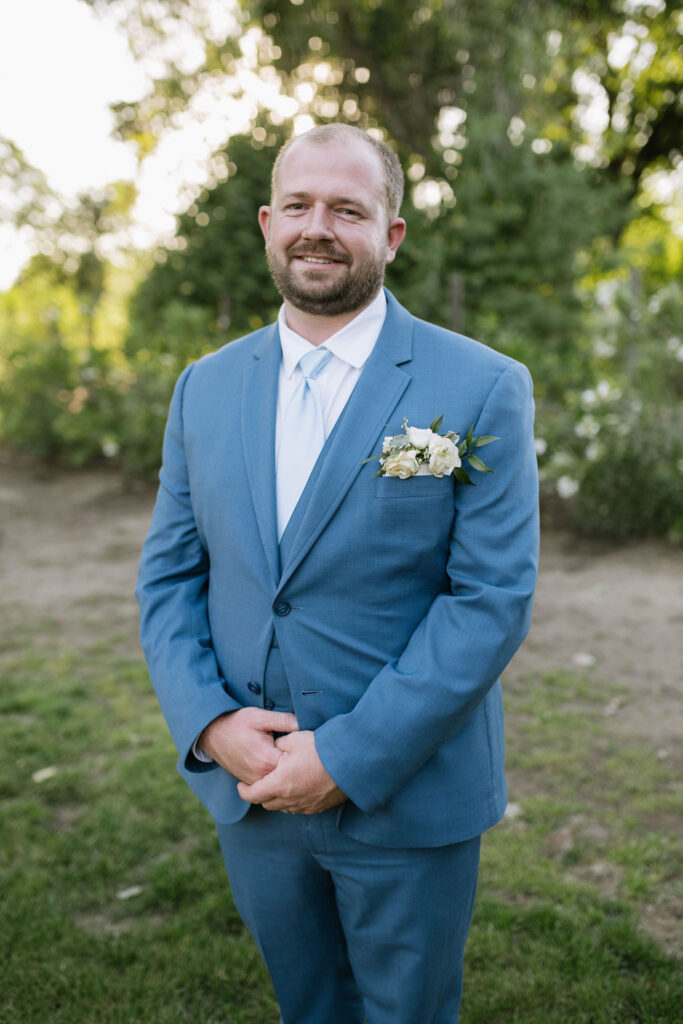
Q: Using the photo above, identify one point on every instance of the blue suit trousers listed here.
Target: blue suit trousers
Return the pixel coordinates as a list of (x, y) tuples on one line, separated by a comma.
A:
[(350, 931)]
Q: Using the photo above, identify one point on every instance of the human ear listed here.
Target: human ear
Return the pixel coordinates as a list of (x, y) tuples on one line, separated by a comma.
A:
[(396, 232), (264, 221)]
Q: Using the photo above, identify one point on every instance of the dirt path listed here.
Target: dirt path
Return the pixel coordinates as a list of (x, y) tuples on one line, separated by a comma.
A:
[(70, 541)]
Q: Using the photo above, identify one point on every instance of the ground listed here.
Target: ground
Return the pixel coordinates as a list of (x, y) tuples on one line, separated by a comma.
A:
[(71, 540)]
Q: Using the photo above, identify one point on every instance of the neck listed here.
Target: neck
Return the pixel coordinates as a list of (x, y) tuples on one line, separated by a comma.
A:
[(317, 329)]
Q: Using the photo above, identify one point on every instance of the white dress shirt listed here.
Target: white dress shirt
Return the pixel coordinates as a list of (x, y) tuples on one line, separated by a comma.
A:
[(350, 348)]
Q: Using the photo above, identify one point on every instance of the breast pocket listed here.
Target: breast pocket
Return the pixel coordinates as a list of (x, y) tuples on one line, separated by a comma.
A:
[(418, 488), (411, 525)]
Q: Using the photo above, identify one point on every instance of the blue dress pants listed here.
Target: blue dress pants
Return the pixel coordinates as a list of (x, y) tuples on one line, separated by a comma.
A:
[(348, 931)]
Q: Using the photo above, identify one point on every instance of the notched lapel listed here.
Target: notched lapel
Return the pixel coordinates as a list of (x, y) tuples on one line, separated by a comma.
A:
[(369, 409), (259, 404)]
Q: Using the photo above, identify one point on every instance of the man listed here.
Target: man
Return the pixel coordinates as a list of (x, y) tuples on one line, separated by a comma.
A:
[(326, 643)]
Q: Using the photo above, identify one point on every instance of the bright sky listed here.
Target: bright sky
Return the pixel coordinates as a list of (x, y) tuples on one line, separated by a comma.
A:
[(60, 68)]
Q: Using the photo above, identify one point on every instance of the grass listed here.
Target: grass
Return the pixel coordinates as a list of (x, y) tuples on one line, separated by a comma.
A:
[(115, 907)]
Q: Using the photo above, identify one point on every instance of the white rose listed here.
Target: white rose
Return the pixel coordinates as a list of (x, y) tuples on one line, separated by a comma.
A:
[(403, 465), (420, 437), (443, 457)]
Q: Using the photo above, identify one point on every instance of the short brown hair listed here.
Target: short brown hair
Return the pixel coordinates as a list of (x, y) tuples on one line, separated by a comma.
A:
[(326, 133)]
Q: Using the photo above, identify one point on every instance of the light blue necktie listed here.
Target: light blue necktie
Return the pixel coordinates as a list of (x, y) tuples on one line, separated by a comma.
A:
[(302, 436)]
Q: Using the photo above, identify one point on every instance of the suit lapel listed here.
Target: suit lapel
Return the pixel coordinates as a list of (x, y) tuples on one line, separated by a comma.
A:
[(367, 412), (259, 404)]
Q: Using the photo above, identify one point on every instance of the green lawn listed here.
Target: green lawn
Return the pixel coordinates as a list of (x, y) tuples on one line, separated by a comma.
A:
[(114, 905)]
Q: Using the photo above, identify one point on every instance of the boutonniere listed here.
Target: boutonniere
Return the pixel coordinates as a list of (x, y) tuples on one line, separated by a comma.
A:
[(422, 451)]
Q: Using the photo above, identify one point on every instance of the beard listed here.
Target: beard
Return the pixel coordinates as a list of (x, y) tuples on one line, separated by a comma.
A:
[(331, 298)]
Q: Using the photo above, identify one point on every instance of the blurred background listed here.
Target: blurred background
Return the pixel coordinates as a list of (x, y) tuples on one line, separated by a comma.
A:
[(542, 146)]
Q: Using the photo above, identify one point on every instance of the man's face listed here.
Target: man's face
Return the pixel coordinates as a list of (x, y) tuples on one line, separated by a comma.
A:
[(327, 237)]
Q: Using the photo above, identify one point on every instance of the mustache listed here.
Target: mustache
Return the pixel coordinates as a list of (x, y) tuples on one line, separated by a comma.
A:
[(322, 250)]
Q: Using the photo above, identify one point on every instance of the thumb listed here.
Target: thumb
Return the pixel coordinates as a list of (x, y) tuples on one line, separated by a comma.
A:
[(285, 743), (245, 791)]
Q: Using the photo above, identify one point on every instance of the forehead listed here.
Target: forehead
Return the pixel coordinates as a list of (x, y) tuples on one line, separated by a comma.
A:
[(345, 168)]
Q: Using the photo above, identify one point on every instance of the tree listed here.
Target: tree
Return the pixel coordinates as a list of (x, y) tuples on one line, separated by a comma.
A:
[(535, 61), (212, 284)]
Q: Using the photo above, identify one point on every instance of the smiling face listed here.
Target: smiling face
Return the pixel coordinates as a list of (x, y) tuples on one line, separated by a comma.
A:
[(327, 237)]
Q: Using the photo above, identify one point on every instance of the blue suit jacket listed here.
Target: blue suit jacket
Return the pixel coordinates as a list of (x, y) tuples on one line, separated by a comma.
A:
[(407, 598)]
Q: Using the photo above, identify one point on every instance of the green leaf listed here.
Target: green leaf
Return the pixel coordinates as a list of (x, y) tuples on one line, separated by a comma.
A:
[(477, 464), (461, 475), (462, 448), (479, 442), (468, 439), (435, 424), (371, 459)]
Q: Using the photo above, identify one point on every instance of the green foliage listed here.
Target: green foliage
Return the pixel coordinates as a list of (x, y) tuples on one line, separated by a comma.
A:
[(635, 487), (143, 408), (50, 377), (62, 374), (483, 55), (216, 270), (518, 230), (212, 285), (615, 449)]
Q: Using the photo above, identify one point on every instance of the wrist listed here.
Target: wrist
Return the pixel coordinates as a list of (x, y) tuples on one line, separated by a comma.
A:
[(206, 737)]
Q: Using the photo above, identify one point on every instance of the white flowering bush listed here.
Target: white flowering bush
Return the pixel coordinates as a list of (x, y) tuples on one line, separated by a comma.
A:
[(611, 459)]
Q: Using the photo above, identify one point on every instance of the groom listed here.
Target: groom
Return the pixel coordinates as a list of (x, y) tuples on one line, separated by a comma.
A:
[(326, 643)]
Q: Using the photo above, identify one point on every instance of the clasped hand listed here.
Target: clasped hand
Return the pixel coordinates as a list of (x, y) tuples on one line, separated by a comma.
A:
[(278, 774)]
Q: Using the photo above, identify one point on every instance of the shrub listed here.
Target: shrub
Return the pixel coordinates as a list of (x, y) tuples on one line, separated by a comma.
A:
[(614, 452)]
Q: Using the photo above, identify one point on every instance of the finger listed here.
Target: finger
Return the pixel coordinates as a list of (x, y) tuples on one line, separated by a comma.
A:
[(301, 741), (277, 805), (272, 721), (282, 721)]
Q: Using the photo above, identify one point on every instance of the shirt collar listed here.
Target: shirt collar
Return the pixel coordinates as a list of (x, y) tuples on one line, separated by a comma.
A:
[(352, 344)]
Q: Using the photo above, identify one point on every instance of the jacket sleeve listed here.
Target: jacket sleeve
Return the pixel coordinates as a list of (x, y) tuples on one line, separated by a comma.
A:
[(172, 593), (418, 702)]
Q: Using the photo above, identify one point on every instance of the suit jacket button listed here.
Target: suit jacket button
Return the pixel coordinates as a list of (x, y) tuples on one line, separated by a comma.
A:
[(269, 704), (282, 608), (254, 687)]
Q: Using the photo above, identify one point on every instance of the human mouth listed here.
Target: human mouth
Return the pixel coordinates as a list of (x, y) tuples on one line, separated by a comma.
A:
[(318, 259)]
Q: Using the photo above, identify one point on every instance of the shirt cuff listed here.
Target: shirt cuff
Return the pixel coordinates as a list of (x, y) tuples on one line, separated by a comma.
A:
[(199, 753)]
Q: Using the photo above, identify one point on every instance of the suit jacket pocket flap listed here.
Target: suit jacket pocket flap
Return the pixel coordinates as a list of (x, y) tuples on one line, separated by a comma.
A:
[(413, 487)]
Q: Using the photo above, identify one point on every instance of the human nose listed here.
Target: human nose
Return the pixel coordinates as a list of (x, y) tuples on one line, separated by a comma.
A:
[(318, 223)]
